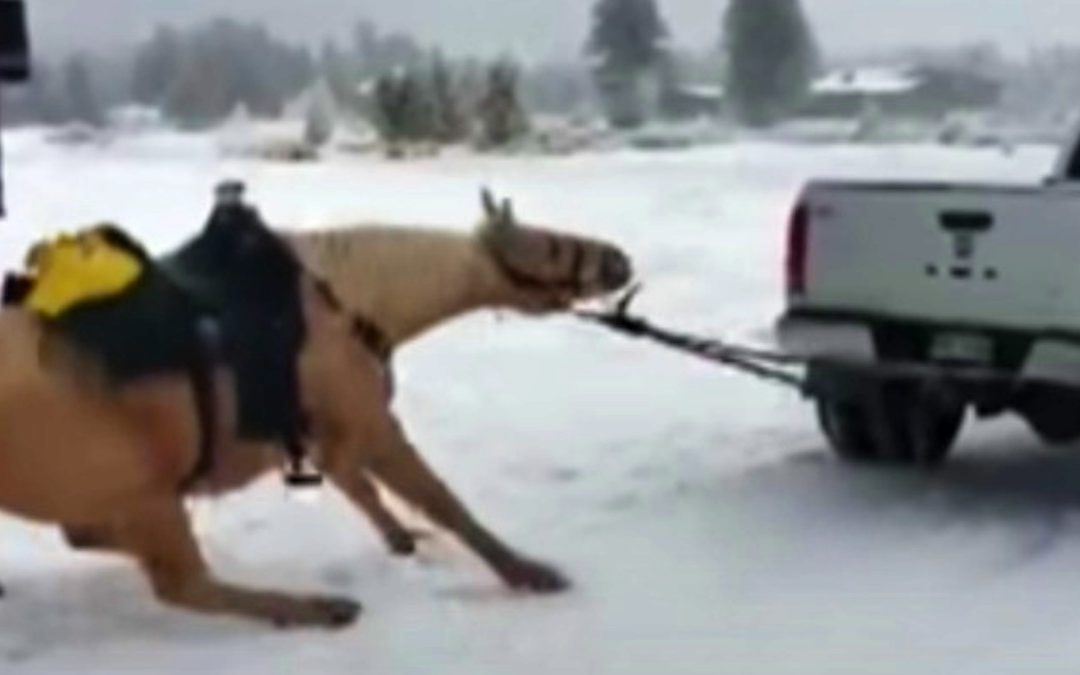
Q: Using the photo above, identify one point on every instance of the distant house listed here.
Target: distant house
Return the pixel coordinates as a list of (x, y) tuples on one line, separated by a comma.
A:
[(689, 101), (914, 91)]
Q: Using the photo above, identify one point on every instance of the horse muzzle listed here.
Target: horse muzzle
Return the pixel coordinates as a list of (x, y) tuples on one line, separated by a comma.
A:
[(616, 270)]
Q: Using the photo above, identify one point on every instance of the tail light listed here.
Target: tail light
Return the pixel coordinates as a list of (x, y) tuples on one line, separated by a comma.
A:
[(798, 238)]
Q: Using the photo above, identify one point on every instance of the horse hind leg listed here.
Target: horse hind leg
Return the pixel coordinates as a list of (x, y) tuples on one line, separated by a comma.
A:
[(159, 535), (96, 537)]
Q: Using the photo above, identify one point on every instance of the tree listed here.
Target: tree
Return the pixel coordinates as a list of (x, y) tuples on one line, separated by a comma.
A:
[(771, 57), (628, 36), (380, 54), (366, 47), (449, 124), (628, 41), (403, 108), (555, 87), (201, 94), (320, 117), (83, 103), (40, 100), (157, 63), (502, 119), (337, 71), (199, 75)]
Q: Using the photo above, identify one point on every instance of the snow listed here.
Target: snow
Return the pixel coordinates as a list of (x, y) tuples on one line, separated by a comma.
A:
[(879, 80), (698, 513)]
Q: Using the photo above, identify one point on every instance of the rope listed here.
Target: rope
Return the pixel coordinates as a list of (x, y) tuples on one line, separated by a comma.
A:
[(766, 365)]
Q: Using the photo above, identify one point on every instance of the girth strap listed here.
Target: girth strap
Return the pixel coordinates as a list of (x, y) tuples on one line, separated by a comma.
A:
[(201, 371)]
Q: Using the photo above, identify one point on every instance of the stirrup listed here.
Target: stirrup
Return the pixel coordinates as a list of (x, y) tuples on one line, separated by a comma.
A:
[(300, 474), (299, 471)]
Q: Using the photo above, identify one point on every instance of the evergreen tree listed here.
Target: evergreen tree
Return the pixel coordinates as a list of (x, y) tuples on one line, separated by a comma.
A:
[(403, 108), (336, 70), (320, 116), (83, 104), (628, 41), (449, 124), (156, 66), (40, 100), (627, 35), (502, 119), (366, 47), (380, 54), (201, 94), (771, 57)]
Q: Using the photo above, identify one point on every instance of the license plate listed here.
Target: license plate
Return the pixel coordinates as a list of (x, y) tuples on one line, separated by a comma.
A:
[(963, 347)]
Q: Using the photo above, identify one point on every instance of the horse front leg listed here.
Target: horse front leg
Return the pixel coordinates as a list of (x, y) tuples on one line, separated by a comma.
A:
[(397, 463), (159, 534), (348, 478)]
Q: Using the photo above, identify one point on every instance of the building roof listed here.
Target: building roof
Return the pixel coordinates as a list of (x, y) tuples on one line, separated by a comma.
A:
[(712, 92), (878, 80)]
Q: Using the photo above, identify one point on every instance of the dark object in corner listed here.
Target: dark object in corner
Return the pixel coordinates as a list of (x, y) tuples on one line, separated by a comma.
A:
[(14, 54), (14, 42)]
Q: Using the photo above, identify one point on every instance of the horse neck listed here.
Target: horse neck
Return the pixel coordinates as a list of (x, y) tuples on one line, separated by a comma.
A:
[(406, 280)]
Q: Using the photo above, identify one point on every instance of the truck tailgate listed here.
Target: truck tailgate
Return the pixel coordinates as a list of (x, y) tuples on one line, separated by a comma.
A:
[(957, 254)]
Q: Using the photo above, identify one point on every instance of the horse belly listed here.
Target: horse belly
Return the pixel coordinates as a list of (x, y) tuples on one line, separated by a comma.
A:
[(66, 457)]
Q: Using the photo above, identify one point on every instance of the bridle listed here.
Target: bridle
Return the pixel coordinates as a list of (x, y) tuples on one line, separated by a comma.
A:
[(573, 283)]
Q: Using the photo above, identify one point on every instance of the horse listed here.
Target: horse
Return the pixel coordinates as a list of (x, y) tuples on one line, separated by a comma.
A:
[(404, 282)]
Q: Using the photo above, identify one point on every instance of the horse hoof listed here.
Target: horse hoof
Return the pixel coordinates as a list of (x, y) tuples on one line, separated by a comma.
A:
[(341, 612), (324, 612), (401, 543), (535, 577)]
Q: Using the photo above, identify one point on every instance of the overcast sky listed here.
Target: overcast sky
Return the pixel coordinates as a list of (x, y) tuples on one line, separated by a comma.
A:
[(555, 28)]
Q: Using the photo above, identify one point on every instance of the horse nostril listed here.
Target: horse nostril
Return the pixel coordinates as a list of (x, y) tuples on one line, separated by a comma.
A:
[(615, 269)]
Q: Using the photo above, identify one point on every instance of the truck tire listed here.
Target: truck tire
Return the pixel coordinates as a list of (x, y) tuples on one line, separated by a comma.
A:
[(846, 425), (905, 430), (1051, 412)]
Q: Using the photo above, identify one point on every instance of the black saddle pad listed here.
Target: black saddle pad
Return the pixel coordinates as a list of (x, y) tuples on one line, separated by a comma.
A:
[(149, 329), (237, 277)]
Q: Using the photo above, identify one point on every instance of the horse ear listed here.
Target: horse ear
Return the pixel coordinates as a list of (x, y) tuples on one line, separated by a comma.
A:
[(507, 213), (490, 210)]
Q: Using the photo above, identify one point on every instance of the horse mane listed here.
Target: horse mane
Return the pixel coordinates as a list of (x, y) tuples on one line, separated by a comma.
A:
[(334, 243), (400, 276)]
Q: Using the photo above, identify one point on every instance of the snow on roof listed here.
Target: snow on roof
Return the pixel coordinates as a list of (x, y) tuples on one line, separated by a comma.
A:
[(866, 80), (705, 91)]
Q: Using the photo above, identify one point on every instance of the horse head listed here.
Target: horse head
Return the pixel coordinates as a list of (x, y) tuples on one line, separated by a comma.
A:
[(549, 270)]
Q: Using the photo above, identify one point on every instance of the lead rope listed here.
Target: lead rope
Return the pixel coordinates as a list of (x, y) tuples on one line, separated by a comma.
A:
[(763, 364)]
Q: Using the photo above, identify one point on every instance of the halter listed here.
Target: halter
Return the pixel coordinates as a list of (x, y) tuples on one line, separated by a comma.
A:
[(528, 281)]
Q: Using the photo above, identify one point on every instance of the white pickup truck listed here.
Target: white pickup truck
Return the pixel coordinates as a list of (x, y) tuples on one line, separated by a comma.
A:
[(914, 303)]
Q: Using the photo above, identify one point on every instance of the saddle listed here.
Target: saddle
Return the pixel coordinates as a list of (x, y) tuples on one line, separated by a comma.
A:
[(230, 296)]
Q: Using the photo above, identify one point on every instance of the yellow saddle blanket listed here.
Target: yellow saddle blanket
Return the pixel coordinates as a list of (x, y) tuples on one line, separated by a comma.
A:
[(73, 269)]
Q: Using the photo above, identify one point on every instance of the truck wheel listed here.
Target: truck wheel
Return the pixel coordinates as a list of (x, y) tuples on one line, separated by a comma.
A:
[(847, 427), (1050, 412), (906, 431)]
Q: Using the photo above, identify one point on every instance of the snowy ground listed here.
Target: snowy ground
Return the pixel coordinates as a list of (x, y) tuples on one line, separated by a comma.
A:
[(698, 513)]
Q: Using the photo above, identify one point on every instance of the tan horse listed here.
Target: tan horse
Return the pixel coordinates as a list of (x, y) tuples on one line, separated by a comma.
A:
[(409, 280)]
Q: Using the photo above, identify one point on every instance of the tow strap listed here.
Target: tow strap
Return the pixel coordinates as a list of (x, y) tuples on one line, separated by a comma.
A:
[(764, 364)]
